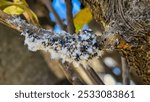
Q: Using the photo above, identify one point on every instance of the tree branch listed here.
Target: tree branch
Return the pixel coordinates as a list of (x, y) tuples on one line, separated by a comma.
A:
[(71, 74), (71, 28), (48, 4), (94, 75), (63, 46), (125, 73)]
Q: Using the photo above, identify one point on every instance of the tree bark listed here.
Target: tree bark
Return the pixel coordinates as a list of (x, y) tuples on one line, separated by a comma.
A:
[(126, 23)]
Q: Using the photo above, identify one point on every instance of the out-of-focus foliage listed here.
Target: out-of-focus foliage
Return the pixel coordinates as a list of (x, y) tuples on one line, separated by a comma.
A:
[(21, 1), (81, 18), (4, 3), (13, 10), (18, 7), (60, 7)]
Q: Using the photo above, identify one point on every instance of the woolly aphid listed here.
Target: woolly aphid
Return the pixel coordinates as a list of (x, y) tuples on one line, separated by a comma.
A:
[(81, 46)]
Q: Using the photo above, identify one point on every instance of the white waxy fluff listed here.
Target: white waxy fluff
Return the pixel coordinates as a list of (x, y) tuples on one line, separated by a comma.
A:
[(82, 46)]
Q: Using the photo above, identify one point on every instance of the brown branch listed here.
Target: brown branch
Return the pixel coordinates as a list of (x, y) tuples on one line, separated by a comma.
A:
[(67, 69), (71, 74), (92, 75), (3, 17), (71, 27), (48, 4), (125, 73)]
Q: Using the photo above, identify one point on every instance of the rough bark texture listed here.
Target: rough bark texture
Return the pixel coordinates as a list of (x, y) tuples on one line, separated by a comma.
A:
[(127, 22), (124, 16)]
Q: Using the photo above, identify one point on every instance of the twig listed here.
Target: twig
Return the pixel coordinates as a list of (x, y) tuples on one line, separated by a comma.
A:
[(94, 75), (96, 80), (71, 28), (125, 73), (48, 4), (3, 17), (71, 74)]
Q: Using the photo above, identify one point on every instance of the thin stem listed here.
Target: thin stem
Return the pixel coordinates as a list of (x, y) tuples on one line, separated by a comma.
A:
[(95, 76), (48, 4), (70, 27), (125, 73), (92, 75), (71, 74)]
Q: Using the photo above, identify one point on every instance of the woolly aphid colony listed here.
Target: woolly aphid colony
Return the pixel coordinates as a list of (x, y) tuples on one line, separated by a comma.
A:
[(76, 47)]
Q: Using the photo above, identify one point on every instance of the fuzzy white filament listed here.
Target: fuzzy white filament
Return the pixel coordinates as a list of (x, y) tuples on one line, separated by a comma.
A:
[(65, 46)]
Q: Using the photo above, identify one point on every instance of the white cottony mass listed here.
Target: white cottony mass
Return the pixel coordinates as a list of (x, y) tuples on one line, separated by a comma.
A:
[(81, 46)]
